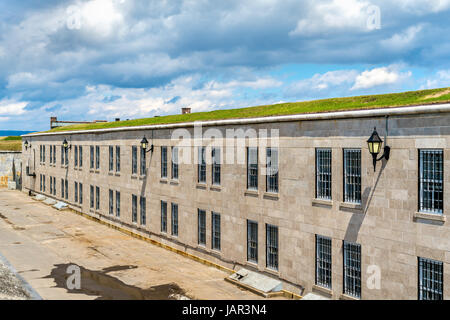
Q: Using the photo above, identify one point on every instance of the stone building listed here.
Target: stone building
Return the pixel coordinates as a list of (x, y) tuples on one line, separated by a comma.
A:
[(324, 222)]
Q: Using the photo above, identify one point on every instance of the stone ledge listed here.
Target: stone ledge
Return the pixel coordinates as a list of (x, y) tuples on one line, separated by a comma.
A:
[(429, 216), (271, 196), (357, 207), (215, 188), (323, 290), (322, 202), (347, 297), (251, 193)]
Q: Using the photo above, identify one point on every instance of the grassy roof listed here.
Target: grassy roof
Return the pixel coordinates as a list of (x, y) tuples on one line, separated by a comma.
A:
[(421, 97), (11, 143)]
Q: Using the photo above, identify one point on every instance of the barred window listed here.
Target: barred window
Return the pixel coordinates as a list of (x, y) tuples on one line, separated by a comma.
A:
[(75, 156), (431, 181), (163, 216), (252, 241), (92, 156), (202, 164), (111, 202), (134, 160), (163, 162), (143, 203), (323, 174), (117, 204), (134, 208), (352, 269), (51, 154), (174, 162), (202, 227), (40, 180), (97, 157), (352, 175), (117, 159), (54, 154), (75, 189), (62, 188), (43, 179), (66, 156), (216, 166), (66, 191), (111, 158), (143, 161), (431, 279), (51, 184), (80, 154), (272, 246), (54, 186), (252, 168), (62, 155), (43, 153), (174, 219), (215, 229), (323, 261), (92, 197), (272, 170), (97, 198), (80, 194)]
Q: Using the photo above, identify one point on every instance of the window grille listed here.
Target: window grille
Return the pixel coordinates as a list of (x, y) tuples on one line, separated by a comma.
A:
[(117, 204), (163, 216), (75, 157), (134, 208), (215, 224), (97, 198), (174, 219), (143, 161), (272, 170), (323, 261), (216, 166), (352, 175), (431, 281), (163, 162), (252, 168), (134, 160), (201, 227), (117, 159), (111, 158), (80, 154), (252, 241), (272, 247), (323, 174), (80, 194), (97, 157), (174, 162), (352, 269), (92, 157), (143, 203), (76, 192), (202, 165), (92, 197), (431, 182)]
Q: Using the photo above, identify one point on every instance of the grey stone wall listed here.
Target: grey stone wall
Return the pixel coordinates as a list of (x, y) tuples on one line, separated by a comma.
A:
[(391, 233), (10, 169)]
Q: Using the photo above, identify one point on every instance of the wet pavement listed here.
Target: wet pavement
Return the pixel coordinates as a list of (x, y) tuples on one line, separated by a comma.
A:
[(45, 246)]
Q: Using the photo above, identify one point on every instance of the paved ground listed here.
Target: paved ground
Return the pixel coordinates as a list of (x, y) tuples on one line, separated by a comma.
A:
[(11, 288), (42, 243)]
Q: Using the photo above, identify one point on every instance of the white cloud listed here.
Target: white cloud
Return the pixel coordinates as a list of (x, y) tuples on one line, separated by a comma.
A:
[(422, 7), (332, 16), (13, 108), (403, 40), (439, 80), (379, 76)]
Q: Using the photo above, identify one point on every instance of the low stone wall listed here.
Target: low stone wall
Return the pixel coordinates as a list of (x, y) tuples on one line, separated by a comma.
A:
[(10, 169)]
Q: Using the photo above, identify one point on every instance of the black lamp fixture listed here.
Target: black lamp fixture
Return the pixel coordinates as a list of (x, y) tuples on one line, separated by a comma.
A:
[(374, 144), (144, 145), (26, 144), (66, 144)]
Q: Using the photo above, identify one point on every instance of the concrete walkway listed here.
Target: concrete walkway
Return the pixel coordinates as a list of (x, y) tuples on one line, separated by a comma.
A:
[(42, 243)]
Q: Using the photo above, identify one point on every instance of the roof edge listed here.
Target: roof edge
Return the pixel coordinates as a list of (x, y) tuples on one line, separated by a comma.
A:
[(365, 113)]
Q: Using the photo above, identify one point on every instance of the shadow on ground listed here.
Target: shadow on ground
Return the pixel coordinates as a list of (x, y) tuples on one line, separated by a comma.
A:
[(107, 287)]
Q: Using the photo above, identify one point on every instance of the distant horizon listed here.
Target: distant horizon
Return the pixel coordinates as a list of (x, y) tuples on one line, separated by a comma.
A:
[(6, 133)]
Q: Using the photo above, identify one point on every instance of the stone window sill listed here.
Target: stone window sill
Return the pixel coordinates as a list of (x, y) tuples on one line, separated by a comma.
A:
[(174, 182), (271, 196), (352, 206), (272, 271), (163, 180), (322, 202), (430, 216), (324, 290), (347, 297), (201, 186), (215, 188), (251, 193)]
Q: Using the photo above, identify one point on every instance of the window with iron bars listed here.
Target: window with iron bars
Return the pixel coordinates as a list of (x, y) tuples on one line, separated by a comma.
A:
[(111, 158), (75, 156), (51, 154), (323, 261), (202, 227), (80, 156), (54, 154), (143, 162), (80, 193), (75, 189), (97, 198), (271, 247), (66, 156), (62, 155), (323, 174), (117, 159), (175, 163), (97, 157), (252, 168), (92, 197), (117, 204), (163, 162), (431, 279), (272, 170), (133, 160), (163, 216), (352, 269), (201, 178), (252, 241), (352, 175), (134, 208), (215, 231), (143, 203), (174, 220), (66, 191), (431, 181), (216, 160), (111, 202), (92, 156)]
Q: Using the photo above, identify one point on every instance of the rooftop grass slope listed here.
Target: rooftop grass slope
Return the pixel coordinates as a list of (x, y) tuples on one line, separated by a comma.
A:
[(11, 143), (409, 98)]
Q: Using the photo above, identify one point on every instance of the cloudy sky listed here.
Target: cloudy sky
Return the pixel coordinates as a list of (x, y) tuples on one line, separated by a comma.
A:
[(102, 59)]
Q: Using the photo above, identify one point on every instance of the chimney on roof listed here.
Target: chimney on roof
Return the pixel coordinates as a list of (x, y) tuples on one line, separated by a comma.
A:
[(185, 110), (117, 119), (52, 120)]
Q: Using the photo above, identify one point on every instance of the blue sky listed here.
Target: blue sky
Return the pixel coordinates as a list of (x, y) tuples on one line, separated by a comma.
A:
[(103, 59)]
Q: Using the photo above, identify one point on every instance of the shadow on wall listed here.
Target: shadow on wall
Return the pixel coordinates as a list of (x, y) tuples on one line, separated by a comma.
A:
[(357, 218)]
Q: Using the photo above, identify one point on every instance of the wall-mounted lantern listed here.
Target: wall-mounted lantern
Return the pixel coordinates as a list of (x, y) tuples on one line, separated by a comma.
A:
[(66, 144), (144, 145), (27, 145), (374, 144)]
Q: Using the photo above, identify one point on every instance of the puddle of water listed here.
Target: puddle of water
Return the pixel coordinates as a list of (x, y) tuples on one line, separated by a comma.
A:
[(107, 287)]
